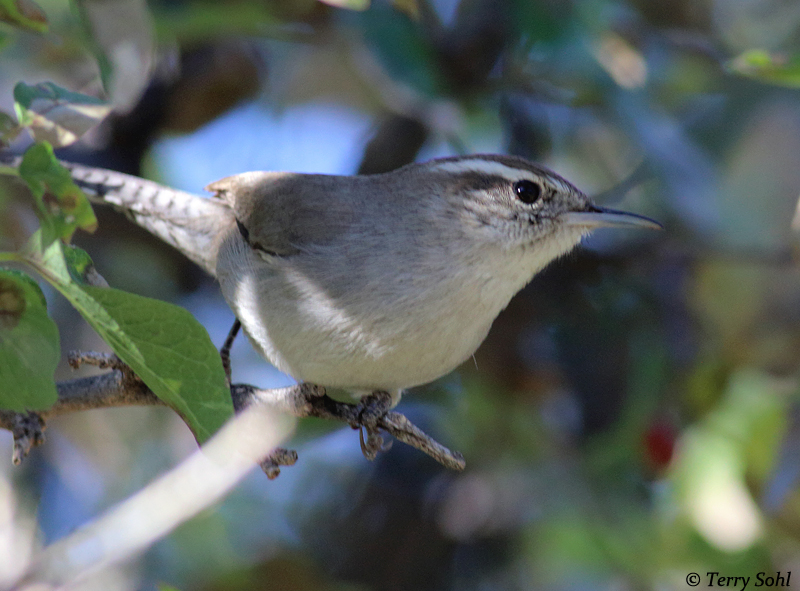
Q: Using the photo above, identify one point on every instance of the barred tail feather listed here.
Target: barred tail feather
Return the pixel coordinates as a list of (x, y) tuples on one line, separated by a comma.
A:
[(188, 222)]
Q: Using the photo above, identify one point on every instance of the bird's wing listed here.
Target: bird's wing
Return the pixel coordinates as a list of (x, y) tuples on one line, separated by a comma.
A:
[(285, 213)]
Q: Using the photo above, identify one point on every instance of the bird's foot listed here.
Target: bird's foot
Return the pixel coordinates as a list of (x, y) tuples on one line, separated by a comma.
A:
[(371, 410), (372, 414)]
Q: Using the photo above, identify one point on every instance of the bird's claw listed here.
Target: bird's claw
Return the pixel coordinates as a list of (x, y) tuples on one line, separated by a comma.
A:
[(372, 409)]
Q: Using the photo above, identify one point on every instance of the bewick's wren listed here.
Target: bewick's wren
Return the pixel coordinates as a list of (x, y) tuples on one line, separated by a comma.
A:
[(369, 283)]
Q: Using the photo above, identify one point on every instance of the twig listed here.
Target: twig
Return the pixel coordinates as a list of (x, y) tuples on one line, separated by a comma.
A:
[(117, 388), (121, 387), (307, 400)]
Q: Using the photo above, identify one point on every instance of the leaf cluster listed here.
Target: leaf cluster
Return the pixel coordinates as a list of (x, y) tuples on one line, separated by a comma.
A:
[(166, 347)]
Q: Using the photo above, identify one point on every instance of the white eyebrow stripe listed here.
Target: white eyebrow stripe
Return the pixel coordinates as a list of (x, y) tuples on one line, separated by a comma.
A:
[(561, 185), (488, 167), (510, 173)]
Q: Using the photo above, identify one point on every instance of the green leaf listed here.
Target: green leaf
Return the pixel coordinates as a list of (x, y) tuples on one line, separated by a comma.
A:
[(62, 206), (767, 67), (201, 21), (57, 115), (29, 346), (402, 47), (539, 21), (163, 344), (78, 263), (349, 4), (25, 14), (168, 349)]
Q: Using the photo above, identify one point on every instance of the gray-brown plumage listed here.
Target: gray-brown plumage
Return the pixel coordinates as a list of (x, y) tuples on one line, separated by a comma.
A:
[(375, 282)]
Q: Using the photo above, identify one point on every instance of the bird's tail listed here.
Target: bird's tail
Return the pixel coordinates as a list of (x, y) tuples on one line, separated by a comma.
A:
[(190, 223)]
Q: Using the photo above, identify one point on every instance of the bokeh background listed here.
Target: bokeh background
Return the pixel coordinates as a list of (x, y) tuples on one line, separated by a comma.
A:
[(633, 415)]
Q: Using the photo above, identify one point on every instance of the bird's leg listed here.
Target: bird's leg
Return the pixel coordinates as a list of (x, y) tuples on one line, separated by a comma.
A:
[(225, 351), (280, 456), (371, 410)]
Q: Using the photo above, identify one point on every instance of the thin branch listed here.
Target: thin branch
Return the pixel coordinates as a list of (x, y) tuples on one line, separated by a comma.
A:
[(133, 525), (307, 400), (121, 387), (113, 389)]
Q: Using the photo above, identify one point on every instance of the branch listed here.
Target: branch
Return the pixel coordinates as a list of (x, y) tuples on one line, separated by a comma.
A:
[(133, 525), (308, 400), (121, 387), (116, 388)]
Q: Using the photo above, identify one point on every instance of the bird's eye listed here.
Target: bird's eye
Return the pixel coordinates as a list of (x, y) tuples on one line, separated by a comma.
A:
[(527, 191)]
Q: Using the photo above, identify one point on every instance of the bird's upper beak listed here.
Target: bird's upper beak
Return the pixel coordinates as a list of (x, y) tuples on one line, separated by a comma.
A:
[(603, 217)]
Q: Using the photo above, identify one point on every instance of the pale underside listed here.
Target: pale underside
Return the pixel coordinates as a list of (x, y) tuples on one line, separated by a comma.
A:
[(301, 320)]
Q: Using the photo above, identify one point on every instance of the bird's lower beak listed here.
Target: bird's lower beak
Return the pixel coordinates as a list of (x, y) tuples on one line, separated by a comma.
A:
[(603, 217)]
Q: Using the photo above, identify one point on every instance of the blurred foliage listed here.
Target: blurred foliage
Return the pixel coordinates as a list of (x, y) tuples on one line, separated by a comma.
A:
[(28, 344), (633, 415), (23, 13), (762, 65), (61, 206), (161, 342)]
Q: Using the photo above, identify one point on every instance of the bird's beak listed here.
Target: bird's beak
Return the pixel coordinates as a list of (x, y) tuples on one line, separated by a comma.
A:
[(603, 217)]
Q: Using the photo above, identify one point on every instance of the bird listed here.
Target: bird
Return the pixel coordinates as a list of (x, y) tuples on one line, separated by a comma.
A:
[(368, 283)]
